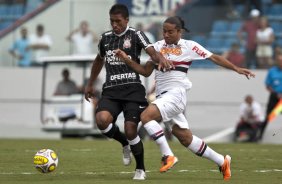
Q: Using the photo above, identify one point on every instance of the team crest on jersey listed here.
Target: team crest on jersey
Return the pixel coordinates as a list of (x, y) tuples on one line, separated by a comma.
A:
[(127, 43)]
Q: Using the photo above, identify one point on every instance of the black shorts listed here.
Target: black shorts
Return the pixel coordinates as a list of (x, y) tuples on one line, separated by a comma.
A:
[(131, 110)]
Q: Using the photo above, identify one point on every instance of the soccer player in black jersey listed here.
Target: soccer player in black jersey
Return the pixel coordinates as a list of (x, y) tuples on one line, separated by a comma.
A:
[(122, 91)]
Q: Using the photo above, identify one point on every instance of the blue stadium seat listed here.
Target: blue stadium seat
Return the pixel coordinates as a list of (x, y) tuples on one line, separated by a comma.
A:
[(220, 28), (229, 41), (5, 24), (279, 42), (216, 45), (275, 10), (32, 4), (199, 39), (17, 10), (277, 28), (234, 27), (3, 11), (240, 8), (214, 42)]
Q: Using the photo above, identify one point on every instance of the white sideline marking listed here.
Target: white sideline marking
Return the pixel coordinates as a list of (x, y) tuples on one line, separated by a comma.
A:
[(217, 136)]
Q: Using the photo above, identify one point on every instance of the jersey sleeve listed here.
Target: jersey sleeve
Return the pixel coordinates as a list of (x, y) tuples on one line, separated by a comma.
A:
[(101, 48), (197, 51), (143, 41), (156, 47)]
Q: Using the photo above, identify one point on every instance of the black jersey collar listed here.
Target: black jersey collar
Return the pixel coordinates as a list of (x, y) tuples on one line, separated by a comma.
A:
[(122, 32)]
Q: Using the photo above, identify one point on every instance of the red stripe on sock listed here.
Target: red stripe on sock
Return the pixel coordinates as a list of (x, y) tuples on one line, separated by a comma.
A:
[(158, 133), (201, 148)]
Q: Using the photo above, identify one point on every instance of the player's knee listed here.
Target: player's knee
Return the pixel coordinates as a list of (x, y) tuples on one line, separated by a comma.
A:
[(184, 136), (130, 130), (145, 118), (185, 141), (103, 120)]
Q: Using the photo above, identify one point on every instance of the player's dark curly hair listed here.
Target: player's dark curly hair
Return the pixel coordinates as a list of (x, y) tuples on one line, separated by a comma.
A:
[(119, 9), (178, 22)]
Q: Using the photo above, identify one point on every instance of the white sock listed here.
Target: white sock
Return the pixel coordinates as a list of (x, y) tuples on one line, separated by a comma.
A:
[(107, 129), (156, 132), (134, 141), (199, 147)]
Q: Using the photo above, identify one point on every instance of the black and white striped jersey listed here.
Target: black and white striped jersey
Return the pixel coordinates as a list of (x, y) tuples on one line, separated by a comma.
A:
[(131, 42)]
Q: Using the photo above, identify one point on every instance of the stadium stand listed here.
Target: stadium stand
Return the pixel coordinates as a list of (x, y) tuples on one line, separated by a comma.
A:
[(216, 27), (234, 27), (201, 39), (223, 30), (220, 28), (15, 14)]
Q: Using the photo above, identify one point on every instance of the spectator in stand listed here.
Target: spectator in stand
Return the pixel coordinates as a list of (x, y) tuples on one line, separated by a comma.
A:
[(83, 39), (264, 38), (251, 118), (250, 27), (20, 51), (234, 55), (40, 44)]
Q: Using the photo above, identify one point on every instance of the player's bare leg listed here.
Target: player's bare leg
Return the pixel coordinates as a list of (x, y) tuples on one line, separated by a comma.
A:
[(200, 148)]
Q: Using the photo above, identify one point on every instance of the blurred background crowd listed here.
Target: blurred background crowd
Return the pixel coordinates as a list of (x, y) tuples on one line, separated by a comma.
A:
[(246, 32)]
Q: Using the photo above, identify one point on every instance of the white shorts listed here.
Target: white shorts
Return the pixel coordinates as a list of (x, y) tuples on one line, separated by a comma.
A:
[(264, 51), (171, 105)]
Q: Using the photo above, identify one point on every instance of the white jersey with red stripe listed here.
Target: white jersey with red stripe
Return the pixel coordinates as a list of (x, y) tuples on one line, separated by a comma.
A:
[(182, 56)]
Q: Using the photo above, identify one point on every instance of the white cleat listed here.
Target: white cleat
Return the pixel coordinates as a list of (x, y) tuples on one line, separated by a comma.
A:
[(139, 174), (126, 155)]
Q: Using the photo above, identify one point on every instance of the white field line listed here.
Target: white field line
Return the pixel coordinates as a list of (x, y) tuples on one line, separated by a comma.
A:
[(219, 135)]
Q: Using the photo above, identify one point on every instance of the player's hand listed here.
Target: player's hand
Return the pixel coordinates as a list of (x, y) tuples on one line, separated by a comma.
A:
[(121, 54), (246, 72), (88, 93), (165, 64)]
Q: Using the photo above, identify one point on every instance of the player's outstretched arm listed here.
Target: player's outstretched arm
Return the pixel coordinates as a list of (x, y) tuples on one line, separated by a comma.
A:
[(221, 61), (95, 70), (145, 70)]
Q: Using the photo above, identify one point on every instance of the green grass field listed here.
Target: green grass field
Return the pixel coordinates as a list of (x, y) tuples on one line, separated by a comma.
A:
[(99, 161)]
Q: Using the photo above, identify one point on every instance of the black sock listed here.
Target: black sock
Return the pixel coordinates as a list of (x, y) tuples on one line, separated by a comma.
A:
[(115, 133), (138, 153)]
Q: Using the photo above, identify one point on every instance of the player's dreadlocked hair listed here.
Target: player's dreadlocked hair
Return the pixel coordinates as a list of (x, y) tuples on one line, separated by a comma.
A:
[(177, 21), (119, 9)]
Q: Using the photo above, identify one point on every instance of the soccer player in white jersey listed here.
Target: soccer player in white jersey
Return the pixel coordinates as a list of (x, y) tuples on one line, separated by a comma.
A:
[(171, 88)]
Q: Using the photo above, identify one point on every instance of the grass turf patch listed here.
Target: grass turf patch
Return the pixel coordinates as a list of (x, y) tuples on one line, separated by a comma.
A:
[(100, 161)]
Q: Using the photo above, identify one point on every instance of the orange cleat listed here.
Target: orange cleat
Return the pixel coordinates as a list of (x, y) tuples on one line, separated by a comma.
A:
[(168, 162), (226, 168)]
